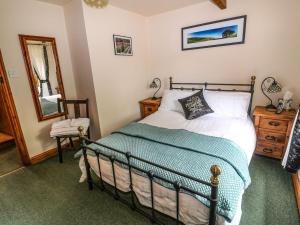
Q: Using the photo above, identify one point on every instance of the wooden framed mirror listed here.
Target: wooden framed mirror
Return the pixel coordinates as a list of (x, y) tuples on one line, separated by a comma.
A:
[(44, 74)]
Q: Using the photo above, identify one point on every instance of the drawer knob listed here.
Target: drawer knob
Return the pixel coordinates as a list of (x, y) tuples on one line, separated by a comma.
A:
[(271, 138), (267, 150), (274, 123), (149, 109)]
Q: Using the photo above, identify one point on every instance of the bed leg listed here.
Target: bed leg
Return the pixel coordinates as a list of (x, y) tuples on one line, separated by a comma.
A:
[(216, 171), (177, 186), (86, 162), (112, 160), (89, 177), (151, 177), (133, 206)]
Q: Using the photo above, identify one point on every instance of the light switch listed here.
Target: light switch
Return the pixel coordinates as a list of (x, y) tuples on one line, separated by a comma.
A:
[(12, 73)]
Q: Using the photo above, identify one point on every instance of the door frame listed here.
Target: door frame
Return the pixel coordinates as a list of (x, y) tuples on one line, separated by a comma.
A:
[(13, 115)]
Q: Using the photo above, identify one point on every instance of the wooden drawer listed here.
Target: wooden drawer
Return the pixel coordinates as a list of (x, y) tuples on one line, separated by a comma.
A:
[(149, 106), (270, 150), (272, 137), (272, 131), (149, 109), (271, 124)]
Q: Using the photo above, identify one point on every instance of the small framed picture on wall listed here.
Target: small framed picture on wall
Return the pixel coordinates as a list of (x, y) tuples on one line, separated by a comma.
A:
[(122, 45)]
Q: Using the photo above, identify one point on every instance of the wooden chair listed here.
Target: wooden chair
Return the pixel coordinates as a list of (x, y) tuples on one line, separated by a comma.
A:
[(77, 106)]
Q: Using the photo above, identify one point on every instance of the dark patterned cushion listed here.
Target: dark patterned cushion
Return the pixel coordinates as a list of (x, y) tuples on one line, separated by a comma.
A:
[(195, 106)]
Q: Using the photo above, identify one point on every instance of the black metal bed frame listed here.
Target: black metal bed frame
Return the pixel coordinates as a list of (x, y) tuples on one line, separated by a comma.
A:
[(178, 186)]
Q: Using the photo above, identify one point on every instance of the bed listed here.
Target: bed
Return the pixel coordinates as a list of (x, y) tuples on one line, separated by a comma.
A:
[(157, 163)]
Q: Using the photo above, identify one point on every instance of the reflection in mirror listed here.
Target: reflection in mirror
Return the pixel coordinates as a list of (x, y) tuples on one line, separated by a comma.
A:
[(44, 74)]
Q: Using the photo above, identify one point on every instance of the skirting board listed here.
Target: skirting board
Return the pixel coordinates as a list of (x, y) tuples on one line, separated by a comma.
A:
[(48, 154), (43, 156), (296, 182)]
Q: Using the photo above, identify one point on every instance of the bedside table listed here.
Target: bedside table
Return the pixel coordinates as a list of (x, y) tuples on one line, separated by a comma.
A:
[(272, 131), (149, 106)]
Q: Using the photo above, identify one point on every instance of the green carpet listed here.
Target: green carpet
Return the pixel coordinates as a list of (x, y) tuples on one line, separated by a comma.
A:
[(9, 159), (49, 193)]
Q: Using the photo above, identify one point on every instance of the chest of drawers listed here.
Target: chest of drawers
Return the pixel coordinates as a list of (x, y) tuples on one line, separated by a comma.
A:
[(272, 131)]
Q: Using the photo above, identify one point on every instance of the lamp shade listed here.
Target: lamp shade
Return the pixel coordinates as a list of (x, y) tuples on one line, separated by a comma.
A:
[(153, 84), (156, 83), (274, 87), (270, 86)]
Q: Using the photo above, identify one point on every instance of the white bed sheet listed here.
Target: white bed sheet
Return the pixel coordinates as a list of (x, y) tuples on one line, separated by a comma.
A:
[(240, 131)]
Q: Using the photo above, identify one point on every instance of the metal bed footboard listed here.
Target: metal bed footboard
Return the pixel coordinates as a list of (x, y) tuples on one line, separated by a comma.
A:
[(213, 184)]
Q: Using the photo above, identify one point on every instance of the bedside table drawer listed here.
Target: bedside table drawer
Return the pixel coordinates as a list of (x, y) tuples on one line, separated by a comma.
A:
[(270, 150), (149, 109), (273, 137), (271, 124), (149, 106)]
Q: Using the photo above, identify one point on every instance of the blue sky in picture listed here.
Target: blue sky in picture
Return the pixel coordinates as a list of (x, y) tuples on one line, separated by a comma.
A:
[(213, 33)]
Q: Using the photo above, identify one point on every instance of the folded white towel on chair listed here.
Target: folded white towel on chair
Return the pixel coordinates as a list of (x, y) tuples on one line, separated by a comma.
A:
[(85, 122), (66, 131), (61, 124), (69, 127)]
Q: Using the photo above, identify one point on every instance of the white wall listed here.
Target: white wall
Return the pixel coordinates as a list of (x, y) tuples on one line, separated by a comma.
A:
[(272, 45), (119, 81), (115, 84), (81, 61), (33, 18)]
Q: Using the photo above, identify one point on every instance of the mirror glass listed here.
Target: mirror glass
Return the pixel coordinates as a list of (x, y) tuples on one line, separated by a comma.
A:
[(43, 69)]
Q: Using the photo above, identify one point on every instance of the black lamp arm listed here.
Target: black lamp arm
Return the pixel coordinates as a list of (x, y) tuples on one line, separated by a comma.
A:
[(263, 91), (157, 79)]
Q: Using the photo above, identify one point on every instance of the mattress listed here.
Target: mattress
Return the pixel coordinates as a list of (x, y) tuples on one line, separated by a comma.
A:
[(192, 211)]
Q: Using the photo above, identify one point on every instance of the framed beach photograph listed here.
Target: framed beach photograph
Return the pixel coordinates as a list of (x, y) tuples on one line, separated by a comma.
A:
[(230, 31), (123, 45)]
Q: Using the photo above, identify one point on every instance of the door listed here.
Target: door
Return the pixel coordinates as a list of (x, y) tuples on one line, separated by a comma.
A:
[(12, 113)]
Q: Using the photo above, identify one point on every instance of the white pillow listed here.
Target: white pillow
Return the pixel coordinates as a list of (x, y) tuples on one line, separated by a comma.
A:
[(228, 104), (170, 101)]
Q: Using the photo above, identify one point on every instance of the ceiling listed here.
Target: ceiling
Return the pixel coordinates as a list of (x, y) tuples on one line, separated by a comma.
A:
[(152, 7), (57, 2), (143, 7)]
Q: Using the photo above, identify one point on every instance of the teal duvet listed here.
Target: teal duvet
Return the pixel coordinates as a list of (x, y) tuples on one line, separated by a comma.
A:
[(186, 152)]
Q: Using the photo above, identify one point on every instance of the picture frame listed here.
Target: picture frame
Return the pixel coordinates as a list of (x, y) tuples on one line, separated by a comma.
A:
[(122, 45), (231, 31)]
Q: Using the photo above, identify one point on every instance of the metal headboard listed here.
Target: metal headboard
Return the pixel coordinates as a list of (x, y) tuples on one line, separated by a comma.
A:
[(248, 88)]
